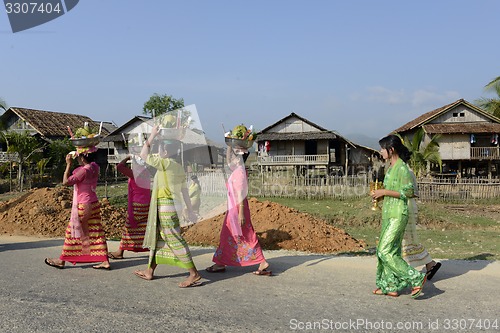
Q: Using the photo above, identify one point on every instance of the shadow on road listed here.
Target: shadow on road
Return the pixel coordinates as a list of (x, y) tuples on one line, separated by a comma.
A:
[(452, 268), (31, 245)]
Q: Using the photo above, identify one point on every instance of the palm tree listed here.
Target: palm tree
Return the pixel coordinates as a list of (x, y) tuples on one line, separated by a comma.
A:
[(422, 155), (3, 105), (492, 105)]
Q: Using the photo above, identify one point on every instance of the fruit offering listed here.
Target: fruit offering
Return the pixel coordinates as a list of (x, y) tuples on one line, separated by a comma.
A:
[(241, 132), (85, 132), (175, 119)]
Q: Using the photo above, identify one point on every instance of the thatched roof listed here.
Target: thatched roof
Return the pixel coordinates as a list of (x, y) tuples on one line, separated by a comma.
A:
[(466, 128), (429, 116), (53, 124)]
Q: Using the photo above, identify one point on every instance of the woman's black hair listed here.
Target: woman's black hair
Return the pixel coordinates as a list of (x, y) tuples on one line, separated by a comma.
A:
[(172, 147), (393, 141), (90, 157), (245, 156)]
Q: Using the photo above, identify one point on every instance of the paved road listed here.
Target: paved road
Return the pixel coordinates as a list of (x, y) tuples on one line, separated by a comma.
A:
[(312, 293)]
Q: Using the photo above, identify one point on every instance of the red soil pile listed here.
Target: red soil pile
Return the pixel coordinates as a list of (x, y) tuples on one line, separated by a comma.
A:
[(46, 212), (280, 227)]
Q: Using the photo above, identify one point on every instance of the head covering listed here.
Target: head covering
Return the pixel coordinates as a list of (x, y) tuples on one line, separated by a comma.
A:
[(85, 150)]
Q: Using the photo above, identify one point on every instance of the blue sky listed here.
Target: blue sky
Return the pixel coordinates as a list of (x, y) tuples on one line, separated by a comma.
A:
[(356, 67)]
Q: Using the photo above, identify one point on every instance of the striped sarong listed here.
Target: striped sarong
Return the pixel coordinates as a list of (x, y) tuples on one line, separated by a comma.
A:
[(171, 248), (91, 246), (132, 238)]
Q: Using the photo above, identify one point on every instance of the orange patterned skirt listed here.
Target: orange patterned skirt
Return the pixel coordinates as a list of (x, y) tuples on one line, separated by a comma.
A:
[(91, 246), (132, 238)]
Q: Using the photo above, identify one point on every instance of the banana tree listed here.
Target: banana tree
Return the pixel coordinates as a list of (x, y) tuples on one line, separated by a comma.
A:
[(422, 154)]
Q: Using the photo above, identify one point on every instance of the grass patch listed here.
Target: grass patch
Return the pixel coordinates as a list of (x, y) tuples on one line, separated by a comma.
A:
[(450, 231)]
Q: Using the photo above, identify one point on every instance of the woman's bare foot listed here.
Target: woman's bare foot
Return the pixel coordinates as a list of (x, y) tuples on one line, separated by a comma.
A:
[(103, 265), (193, 280), (263, 269), (263, 266), (146, 274), (379, 291)]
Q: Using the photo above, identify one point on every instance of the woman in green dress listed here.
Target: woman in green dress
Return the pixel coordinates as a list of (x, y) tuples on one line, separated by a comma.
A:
[(393, 273)]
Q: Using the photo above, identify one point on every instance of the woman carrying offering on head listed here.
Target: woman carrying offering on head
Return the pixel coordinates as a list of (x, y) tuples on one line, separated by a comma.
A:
[(163, 234), (84, 240), (238, 244), (139, 196)]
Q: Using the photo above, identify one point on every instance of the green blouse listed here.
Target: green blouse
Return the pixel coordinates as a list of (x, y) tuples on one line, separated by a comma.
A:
[(398, 178)]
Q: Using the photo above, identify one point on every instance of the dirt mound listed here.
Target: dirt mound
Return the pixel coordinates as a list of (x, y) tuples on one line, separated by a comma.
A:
[(46, 212), (280, 227)]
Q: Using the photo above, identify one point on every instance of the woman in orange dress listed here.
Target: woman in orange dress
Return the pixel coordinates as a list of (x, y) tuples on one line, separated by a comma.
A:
[(85, 240)]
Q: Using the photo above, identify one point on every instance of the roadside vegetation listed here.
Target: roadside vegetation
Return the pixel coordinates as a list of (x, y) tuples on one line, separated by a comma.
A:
[(448, 231)]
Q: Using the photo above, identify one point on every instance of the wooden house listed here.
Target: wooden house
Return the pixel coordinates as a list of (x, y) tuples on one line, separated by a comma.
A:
[(468, 139), (198, 154), (295, 142), (48, 126)]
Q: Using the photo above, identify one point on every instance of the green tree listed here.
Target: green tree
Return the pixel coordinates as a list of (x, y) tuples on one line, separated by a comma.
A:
[(422, 155), (27, 149), (41, 165), (160, 104), (57, 151), (3, 106), (491, 105)]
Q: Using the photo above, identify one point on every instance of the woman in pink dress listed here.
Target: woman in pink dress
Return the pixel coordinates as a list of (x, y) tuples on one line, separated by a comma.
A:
[(238, 244), (85, 240), (139, 196)]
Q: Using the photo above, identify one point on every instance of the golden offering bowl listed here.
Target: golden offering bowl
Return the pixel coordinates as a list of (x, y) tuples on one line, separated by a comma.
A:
[(376, 185)]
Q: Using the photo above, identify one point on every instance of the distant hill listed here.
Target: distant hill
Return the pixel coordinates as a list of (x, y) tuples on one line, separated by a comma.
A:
[(364, 140)]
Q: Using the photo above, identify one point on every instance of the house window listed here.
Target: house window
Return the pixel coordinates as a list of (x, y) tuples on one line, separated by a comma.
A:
[(333, 157), (458, 114)]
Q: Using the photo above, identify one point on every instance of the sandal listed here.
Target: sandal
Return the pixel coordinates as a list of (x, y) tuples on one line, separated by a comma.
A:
[(51, 263), (112, 256), (215, 269), (263, 272), (416, 291), (194, 283), (378, 291), (430, 273)]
